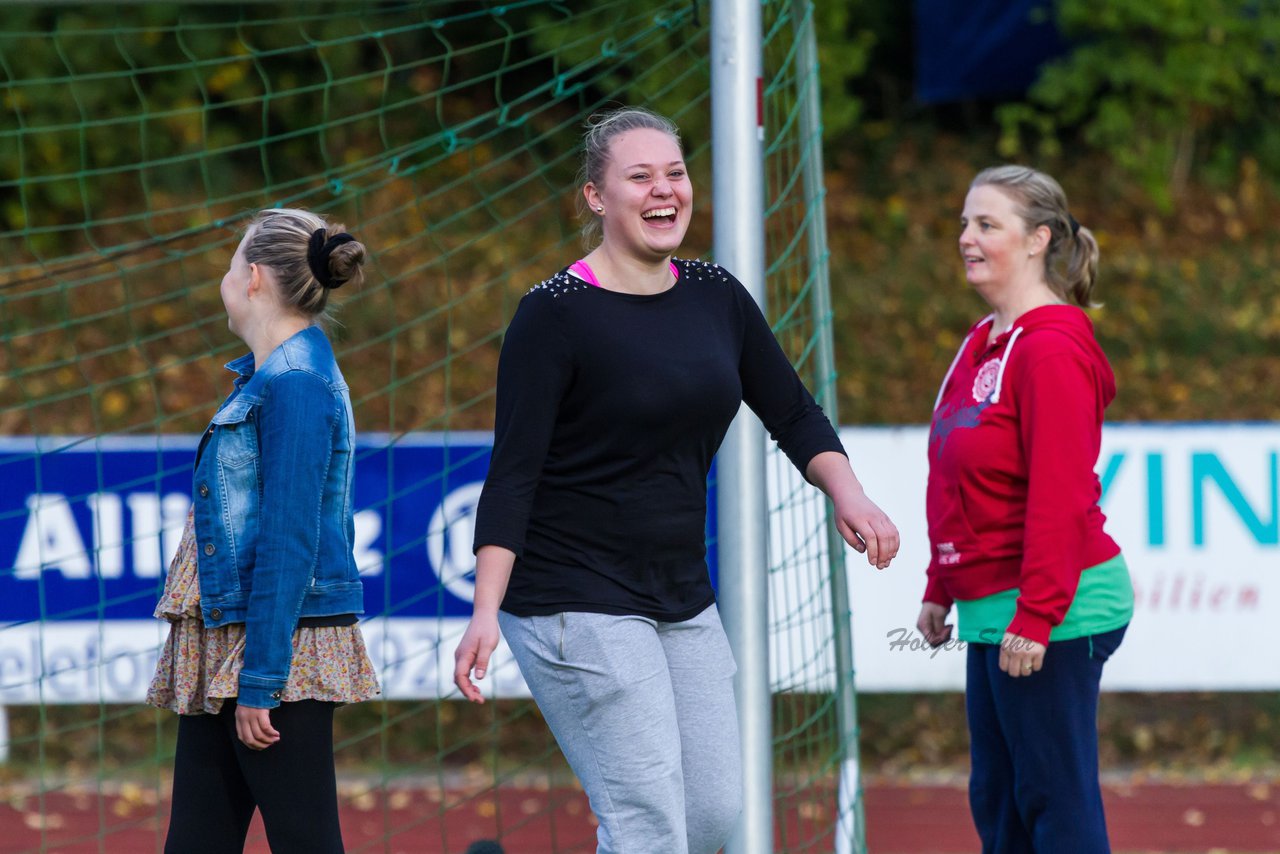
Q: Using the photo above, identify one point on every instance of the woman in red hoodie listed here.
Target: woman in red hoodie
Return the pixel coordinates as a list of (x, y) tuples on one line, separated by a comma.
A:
[(1042, 593)]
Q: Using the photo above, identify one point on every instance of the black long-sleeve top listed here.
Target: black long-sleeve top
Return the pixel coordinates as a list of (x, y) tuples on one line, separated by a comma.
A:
[(610, 407)]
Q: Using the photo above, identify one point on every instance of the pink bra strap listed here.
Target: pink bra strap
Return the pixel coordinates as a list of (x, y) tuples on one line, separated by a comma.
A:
[(584, 271)]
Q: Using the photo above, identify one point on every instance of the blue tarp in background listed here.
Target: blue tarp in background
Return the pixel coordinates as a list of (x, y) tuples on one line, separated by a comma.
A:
[(981, 48)]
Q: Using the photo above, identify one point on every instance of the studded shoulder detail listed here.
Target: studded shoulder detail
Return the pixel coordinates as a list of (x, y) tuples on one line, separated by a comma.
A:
[(700, 271), (559, 284), (563, 283)]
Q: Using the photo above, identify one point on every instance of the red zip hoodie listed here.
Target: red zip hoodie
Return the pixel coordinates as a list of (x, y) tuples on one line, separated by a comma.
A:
[(1013, 498)]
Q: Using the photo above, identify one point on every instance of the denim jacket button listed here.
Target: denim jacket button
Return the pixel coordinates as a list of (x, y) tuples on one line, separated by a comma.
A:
[(209, 548), (275, 695), (204, 490), (216, 613)]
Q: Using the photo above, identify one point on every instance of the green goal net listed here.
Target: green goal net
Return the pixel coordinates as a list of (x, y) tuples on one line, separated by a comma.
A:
[(136, 141)]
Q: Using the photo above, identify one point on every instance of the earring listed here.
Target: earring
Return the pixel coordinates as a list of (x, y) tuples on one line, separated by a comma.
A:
[(601, 210)]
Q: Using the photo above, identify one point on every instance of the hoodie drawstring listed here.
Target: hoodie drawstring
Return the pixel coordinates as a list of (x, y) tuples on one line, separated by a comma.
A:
[(963, 346), (1004, 360)]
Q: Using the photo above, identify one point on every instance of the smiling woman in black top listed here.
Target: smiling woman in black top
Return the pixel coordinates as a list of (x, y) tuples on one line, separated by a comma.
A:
[(618, 379)]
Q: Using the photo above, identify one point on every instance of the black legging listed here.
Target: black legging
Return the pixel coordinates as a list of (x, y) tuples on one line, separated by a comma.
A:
[(217, 782)]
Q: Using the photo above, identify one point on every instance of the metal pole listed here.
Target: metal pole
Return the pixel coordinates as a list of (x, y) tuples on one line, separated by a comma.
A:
[(850, 826), (737, 138)]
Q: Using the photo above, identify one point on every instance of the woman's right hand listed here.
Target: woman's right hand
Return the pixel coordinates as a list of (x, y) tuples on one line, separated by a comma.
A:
[(254, 729), (473, 653), (932, 623)]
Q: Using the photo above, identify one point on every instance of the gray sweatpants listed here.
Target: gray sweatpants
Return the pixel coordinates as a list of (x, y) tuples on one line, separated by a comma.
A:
[(644, 713)]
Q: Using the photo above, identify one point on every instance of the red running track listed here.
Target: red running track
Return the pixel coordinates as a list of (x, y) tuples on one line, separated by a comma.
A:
[(904, 819), (901, 819)]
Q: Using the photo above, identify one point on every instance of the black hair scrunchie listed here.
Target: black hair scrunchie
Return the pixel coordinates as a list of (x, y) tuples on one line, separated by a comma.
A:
[(318, 252), (1075, 226)]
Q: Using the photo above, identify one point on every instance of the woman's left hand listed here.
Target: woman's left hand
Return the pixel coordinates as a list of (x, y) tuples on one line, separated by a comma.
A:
[(1020, 656), (866, 528), (253, 726)]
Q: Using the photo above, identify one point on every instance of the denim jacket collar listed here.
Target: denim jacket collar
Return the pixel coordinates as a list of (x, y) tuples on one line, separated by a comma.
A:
[(243, 367), (308, 348)]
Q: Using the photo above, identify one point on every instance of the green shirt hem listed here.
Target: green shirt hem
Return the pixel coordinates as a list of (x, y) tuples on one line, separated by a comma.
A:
[(1103, 603)]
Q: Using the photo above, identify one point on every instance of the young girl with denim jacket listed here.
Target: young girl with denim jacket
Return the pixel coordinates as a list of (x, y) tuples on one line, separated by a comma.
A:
[(263, 593)]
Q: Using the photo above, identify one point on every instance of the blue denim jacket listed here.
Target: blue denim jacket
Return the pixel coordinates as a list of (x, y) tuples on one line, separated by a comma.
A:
[(273, 517)]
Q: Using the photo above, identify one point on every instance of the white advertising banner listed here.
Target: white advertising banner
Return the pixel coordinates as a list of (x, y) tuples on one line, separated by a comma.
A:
[(113, 661), (1194, 508)]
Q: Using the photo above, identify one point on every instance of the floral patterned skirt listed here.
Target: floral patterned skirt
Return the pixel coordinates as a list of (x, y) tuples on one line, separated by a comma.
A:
[(200, 667)]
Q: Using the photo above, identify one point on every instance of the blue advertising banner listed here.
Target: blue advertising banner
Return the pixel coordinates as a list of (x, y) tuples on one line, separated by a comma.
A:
[(88, 526)]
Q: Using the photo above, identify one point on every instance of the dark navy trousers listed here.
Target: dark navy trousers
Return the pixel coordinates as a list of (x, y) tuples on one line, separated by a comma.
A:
[(1033, 742)]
